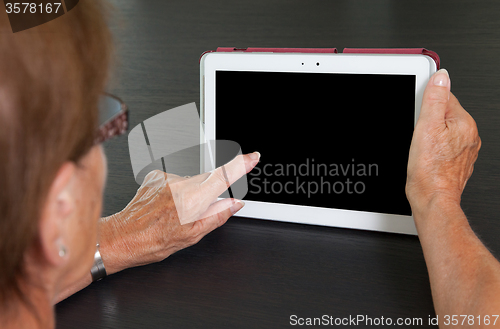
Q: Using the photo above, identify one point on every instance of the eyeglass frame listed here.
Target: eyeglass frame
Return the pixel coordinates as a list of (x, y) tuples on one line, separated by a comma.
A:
[(116, 125)]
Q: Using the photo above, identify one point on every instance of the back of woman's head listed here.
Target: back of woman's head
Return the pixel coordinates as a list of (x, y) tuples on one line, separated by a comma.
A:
[(51, 77)]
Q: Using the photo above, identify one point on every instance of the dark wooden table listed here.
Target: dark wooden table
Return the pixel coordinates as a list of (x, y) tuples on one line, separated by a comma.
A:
[(256, 274)]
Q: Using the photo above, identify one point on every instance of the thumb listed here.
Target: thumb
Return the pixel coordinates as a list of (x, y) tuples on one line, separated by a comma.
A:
[(436, 97)]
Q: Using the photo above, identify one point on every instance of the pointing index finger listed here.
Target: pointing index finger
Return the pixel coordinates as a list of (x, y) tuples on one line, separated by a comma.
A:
[(221, 178)]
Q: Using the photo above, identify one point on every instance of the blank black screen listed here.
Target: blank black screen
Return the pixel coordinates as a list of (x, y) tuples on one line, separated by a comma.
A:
[(327, 140)]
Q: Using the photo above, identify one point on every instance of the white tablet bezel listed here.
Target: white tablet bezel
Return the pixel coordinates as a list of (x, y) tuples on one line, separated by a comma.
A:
[(419, 65)]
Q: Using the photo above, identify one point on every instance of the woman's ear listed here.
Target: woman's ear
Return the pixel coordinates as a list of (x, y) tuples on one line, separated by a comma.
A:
[(59, 206)]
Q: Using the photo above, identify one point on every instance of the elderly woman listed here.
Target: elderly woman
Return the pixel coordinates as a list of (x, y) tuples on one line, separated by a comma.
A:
[(53, 170), (52, 173)]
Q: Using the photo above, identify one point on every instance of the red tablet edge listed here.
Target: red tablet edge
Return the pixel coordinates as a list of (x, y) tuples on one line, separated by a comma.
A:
[(273, 50), (420, 51)]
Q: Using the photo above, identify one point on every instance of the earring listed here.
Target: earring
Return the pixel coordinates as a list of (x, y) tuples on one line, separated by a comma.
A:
[(62, 251)]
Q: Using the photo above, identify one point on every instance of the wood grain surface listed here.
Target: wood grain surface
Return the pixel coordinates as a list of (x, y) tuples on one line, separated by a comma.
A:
[(256, 274)]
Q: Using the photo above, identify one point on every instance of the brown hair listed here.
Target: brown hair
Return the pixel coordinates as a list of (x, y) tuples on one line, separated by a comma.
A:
[(51, 77)]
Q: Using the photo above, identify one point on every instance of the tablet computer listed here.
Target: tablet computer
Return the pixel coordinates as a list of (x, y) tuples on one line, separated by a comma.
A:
[(334, 131)]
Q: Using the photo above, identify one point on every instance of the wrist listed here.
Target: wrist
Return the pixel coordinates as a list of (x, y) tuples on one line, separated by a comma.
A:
[(439, 210), (423, 203), (110, 245)]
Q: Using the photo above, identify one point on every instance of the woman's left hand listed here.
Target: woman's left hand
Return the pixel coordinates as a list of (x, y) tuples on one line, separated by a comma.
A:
[(149, 229)]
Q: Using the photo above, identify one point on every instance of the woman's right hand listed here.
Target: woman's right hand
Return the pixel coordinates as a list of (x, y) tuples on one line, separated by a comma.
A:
[(444, 147), (169, 213)]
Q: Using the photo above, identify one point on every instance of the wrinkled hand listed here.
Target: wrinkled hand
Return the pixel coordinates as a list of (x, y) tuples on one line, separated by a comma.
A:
[(444, 147), (149, 228)]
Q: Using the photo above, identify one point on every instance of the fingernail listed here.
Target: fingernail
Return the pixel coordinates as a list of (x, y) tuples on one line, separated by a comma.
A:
[(237, 206), (254, 156), (442, 78)]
